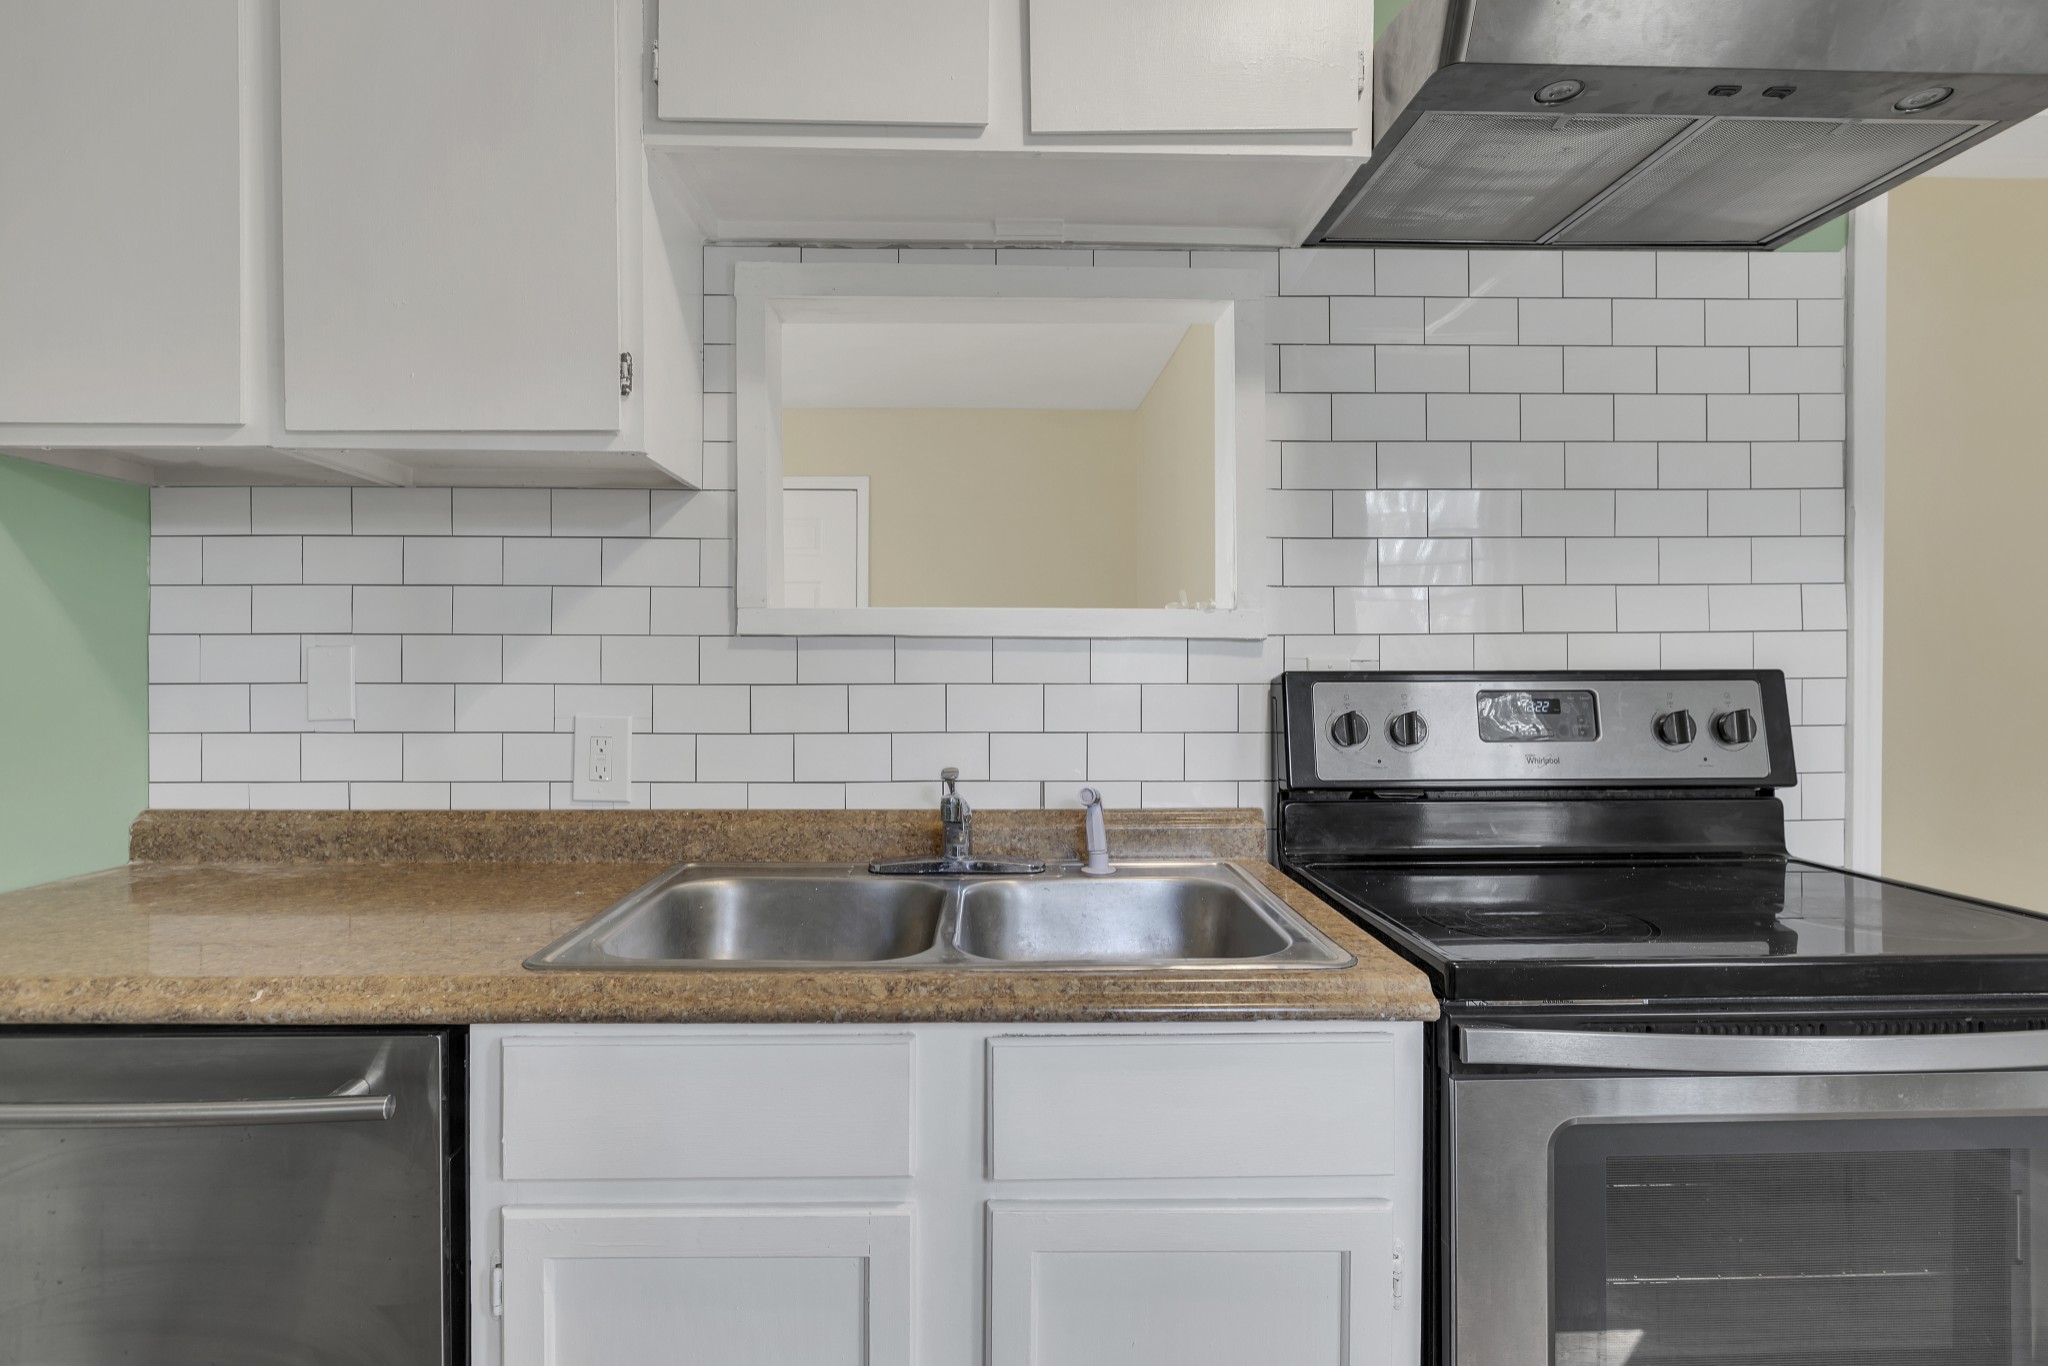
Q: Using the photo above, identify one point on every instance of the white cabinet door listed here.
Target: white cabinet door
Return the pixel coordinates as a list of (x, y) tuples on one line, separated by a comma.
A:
[(451, 215), (820, 1285), (1280, 1283), (1184, 66), (849, 61), (120, 212)]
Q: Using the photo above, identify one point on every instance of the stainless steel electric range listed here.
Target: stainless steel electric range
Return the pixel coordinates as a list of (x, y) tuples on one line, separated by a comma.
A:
[(1692, 1100)]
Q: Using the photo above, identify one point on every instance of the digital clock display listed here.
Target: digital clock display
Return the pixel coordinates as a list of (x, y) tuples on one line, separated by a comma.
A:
[(1525, 717)]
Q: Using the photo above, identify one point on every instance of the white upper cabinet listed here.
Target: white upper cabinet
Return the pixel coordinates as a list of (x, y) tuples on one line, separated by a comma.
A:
[(1186, 66), (120, 212), (847, 61), (451, 211)]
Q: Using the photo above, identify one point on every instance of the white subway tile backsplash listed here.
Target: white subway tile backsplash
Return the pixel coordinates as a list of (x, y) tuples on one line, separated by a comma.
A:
[(1425, 272), (504, 706), (403, 512), (1610, 274), (603, 611), (1424, 562), (1517, 464), (249, 559), (1660, 322), (1517, 460), (1661, 607), (402, 611), (175, 559), (1752, 322), (1473, 417), (1384, 321), (1371, 417), (1660, 512), (710, 708), (1473, 322), (199, 511), (354, 559), (1424, 464), (179, 610), (1610, 560), (502, 512), (1752, 417)]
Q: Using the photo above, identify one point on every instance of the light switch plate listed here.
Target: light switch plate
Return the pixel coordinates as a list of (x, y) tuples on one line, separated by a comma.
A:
[(602, 759), (330, 683)]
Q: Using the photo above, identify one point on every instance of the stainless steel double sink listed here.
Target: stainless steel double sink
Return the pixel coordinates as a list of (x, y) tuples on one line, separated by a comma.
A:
[(1145, 915)]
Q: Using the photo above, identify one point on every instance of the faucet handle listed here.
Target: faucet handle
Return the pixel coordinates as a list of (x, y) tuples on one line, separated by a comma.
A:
[(950, 777)]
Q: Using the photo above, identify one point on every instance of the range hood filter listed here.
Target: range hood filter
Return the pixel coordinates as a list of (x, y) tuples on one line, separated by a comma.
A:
[(1674, 123)]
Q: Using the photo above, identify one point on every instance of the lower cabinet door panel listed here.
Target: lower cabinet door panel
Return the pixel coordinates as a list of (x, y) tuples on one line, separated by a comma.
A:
[(822, 1285), (1279, 1283)]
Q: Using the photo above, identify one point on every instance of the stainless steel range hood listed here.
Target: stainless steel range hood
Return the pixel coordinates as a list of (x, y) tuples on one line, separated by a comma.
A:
[(1732, 124)]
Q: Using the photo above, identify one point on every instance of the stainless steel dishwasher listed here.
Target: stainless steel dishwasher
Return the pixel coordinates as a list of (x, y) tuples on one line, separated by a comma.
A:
[(226, 1198)]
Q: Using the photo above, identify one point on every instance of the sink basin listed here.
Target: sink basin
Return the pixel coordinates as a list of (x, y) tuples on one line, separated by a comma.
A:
[(795, 915), (1136, 919)]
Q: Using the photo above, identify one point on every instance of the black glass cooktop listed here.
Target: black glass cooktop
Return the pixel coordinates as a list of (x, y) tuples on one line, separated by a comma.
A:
[(1701, 929)]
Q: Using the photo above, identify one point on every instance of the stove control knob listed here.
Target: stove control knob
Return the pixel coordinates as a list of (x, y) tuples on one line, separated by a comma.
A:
[(1350, 730), (1407, 730), (1676, 729), (1735, 728)]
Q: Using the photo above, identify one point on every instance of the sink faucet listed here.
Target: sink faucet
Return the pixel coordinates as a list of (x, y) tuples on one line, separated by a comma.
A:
[(1098, 864), (957, 817)]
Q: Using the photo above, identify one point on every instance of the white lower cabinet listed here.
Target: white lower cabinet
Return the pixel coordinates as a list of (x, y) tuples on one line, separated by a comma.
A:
[(820, 1285), (1280, 1283), (948, 1194)]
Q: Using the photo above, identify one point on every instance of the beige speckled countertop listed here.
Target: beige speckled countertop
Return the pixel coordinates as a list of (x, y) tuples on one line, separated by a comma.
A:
[(426, 918)]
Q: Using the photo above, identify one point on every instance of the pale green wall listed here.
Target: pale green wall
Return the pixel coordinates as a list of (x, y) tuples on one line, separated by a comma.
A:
[(74, 671)]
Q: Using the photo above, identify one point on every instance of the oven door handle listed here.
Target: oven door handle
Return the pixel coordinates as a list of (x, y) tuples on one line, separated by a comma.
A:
[(1724, 1053)]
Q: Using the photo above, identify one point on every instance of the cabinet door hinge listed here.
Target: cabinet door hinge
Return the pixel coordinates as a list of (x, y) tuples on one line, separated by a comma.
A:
[(625, 374), (1364, 73), (497, 1290), (655, 62), (1400, 1270)]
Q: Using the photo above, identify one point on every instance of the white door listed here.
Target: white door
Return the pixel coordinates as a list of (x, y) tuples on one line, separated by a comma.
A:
[(798, 1285), (120, 212), (1184, 66), (800, 61), (1223, 1283), (451, 239), (824, 543)]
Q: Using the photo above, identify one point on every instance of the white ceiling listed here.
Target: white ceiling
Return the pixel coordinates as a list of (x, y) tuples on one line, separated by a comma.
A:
[(2019, 153), (973, 365)]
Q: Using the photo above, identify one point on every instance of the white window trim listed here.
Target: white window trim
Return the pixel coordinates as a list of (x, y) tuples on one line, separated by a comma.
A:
[(858, 485), (1869, 249), (768, 295)]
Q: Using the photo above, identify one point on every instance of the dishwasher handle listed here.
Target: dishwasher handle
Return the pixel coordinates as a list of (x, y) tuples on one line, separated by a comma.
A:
[(1716, 1054), (348, 1103)]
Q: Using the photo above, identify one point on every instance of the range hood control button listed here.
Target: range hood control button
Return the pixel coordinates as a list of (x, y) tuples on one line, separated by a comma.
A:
[(1560, 92), (1407, 730), (1349, 730), (1735, 728), (1676, 729)]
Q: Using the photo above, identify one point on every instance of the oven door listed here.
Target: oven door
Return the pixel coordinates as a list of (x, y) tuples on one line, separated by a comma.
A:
[(1735, 1201)]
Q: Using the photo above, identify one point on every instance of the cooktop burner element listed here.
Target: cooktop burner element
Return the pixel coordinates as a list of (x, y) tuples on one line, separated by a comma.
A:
[(1601, 837)]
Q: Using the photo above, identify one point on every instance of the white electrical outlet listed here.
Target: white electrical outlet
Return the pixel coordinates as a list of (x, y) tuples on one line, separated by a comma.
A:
[(603, 757)]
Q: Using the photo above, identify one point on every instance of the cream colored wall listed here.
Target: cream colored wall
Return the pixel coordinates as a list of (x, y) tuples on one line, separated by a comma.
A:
[(983, 507), (1966, 539), (1176, 480)]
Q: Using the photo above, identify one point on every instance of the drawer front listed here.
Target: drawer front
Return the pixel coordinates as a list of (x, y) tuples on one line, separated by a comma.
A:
[(1218, 1106), (679, 1109)]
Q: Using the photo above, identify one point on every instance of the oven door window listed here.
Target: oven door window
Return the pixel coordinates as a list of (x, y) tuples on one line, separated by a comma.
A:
[(1879, 1242)]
